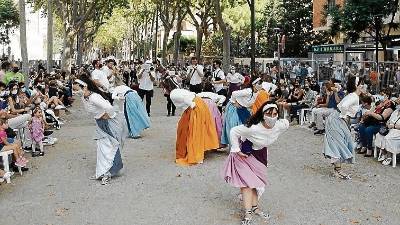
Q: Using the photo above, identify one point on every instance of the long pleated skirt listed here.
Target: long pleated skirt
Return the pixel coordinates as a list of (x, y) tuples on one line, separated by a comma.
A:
[(338, 143), (109, 139), (135, 114), (244, 172), (196, 134), (216, 115), (233, 117)]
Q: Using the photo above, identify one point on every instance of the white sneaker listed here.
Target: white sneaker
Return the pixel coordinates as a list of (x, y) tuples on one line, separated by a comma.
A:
[(7, 175), (381, 157), (59, 107), (387, 161)]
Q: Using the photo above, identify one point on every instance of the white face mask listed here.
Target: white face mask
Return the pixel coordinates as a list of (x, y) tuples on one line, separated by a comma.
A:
[(270, 121), (23, 89), (14, 92)]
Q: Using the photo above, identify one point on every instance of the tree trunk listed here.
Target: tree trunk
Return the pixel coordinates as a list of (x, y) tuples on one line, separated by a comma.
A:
[(199, 41), (167, 30), (226, 32), (177, 39), (68, 51), (49, 35), (253, 37), (79, 46), (24, 48), (155, 44)]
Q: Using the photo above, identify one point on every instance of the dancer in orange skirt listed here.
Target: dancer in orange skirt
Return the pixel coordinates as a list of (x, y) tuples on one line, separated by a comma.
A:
[(196, 131), (262, 97)]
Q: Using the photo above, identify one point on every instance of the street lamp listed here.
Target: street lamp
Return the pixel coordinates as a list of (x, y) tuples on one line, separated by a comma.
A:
[(277, 31)]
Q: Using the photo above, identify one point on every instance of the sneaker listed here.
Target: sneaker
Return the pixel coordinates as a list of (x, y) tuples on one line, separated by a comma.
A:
[(381, 157), (319, 132), (19, 163), (59, 107), (387, 161), (27, 149), (105, 180), (41, 153), (7, 175)]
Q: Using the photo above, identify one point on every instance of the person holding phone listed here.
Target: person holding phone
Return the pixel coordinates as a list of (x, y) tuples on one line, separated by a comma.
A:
[(146, 79), (195, 76)]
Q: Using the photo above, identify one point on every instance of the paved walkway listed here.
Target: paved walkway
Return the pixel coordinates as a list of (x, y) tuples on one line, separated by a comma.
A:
[(152, 190)]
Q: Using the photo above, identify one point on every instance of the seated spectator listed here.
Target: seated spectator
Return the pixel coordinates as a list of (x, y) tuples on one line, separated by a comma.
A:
[(7, 144), (306, 102), (371, 122), (390, 141), (322, 111), (296, 95), (15, 103), (13, 75)]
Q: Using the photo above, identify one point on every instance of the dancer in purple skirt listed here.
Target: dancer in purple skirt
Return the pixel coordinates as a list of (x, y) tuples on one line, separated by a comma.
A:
[(245, 167)]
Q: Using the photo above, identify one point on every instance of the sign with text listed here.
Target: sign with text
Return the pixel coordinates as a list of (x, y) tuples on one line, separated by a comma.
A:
[(324, 49)]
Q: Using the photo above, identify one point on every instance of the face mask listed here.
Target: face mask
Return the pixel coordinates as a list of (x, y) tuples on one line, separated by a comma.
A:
[(79, 93), (398, 107), (14, 92), (270, 121), (23, 89)]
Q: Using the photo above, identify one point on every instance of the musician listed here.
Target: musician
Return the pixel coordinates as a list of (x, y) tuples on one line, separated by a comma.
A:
[(195, 75)]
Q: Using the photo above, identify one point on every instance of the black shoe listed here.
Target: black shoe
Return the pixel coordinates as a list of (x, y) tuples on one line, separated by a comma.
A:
[(48, 132), (24, 169), (41, 154), (312, 125), (148, 114), (319, 132), (35, 154), (169, 115), (173, 114), (27, 149)]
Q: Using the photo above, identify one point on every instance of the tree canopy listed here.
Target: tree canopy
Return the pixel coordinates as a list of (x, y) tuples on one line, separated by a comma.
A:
[(9, 19)]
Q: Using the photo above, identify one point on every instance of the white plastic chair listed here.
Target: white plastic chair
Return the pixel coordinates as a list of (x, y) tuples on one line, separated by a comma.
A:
[(394, 155), (302, 117), (4, 155)]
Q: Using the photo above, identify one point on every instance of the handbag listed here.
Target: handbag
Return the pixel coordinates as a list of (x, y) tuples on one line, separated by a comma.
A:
[(385, 130)]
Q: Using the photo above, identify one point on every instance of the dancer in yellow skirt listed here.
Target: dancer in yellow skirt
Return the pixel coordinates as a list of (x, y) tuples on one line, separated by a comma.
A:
[(196, 129)]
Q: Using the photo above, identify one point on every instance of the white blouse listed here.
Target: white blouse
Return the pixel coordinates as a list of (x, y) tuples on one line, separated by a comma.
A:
[(98, 106), (235, 78), (394, 117), (349, 106), (182, 98), (259, 135), (244, 97), (218, 99), (269, 87), (120, 91)]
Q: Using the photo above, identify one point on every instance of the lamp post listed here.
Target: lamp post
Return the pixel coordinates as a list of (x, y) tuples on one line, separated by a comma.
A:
[(278, 35)]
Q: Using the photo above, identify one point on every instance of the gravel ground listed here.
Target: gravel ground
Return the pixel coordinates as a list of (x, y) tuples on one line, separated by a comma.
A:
[(153, 190)]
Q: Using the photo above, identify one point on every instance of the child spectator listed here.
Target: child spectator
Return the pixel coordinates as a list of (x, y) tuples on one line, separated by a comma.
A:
[(7, 144), (36, 128)]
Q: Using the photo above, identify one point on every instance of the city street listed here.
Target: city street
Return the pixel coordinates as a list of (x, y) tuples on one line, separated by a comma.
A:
[(153, 190)]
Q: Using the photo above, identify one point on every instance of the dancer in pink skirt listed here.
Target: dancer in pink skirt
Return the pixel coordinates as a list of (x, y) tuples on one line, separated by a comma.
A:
[(245, 167)]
